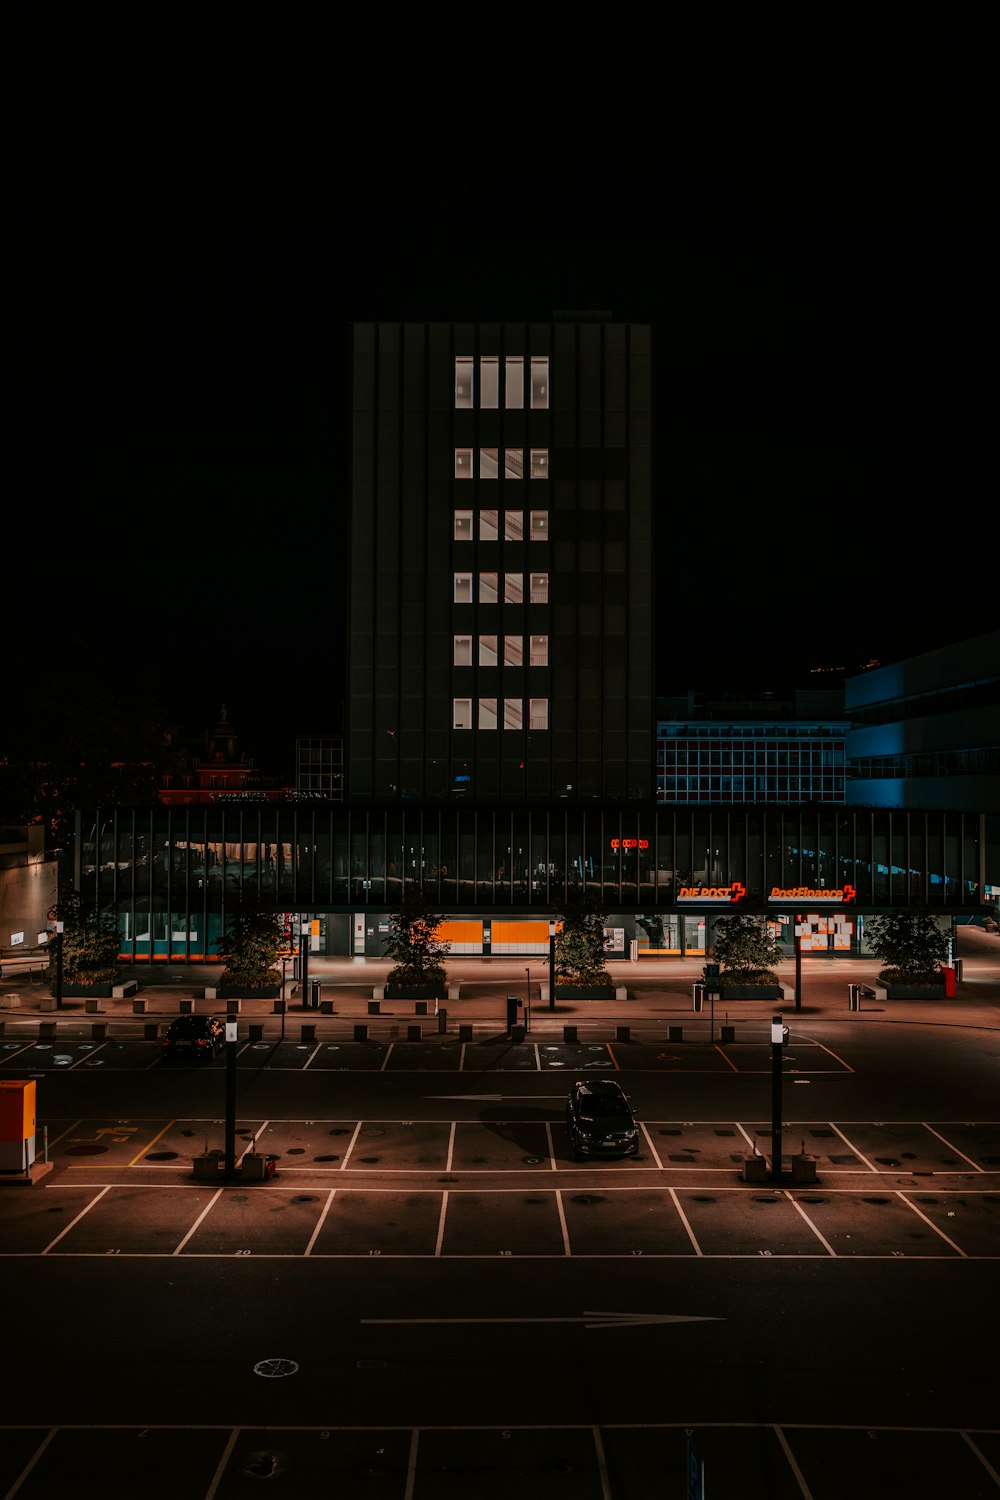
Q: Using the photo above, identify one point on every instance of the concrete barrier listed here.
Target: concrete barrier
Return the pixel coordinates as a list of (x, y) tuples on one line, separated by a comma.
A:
[(138, 1007), (122, 991), (91, 1005)]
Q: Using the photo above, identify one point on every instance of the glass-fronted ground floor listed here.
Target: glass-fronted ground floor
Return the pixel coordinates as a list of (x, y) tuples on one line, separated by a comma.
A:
[(171, 879)]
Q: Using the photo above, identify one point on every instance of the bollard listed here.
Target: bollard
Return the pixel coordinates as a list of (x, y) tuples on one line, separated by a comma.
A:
[(675, 1033), (187, 1008), (257, 1032), (280, 1006), (138, 1007), (309, 1032), (150, 1031), (465, 1032), (569, 1034), (623, 1033), (754, 1168), (854, 996), (517, 1034), (414, 1033), (46, 1030), (91, 1005), (728, 1034), (326, 1007), (442, 1020), (99, 1031), (374, 1007), (697, 997), (361, 1032), (420, 1009), (232, 1007), (803, 1167)]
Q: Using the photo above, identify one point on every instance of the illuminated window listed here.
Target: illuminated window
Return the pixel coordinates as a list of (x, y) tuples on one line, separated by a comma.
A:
[(538, 713), (489, 463), (489, 380), (539, 463), (463, 463), (461, 713), (513, 650), (487, 713), (539, 529), (462, 652), (513, 526), (463, 588), (513, 713), (488, 588), (463, 380), (514, 382), (539, 588), (539, 656), (487, 650), (513, 588), (488, 525), (539, 381), (463, 526), (513, 463)]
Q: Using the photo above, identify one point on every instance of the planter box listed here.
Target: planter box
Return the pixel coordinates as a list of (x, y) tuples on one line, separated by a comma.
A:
[(915, 992), (752, 992), (87, 991), (585, 992), (415, 992), (248, 991)]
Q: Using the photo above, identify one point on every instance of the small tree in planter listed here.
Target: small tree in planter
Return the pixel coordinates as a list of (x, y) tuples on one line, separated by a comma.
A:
[(910, 945), (746, 949), (414, 944), (250, 946), (579, 958), (90, 944)]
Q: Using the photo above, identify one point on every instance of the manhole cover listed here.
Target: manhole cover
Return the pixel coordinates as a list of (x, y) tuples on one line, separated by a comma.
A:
[(273, 1369)]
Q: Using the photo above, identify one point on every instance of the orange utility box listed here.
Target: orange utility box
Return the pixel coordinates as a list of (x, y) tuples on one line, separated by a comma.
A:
[(17, 1124)]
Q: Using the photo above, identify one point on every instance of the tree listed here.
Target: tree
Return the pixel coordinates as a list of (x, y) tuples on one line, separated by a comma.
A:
[(414, 943), (250, 945), (910, 945), (579, 957), (744, 946), (90, 943)]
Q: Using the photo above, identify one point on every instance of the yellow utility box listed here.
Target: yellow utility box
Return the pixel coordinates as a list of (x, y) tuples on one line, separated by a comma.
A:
[(17, 1124)]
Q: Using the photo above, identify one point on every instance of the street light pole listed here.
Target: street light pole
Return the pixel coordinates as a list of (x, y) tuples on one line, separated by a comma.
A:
[(59, 963), (230, 1169), (798, 963), (777, 1041)]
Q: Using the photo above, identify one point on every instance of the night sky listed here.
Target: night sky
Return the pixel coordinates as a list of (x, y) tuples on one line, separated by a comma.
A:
[(803, 204)]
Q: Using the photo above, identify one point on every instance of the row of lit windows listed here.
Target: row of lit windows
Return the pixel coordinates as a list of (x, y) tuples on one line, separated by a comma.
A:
[(489, 647), (487, 392), (513, 525), (513, 463), (489, 709), (513, 588)]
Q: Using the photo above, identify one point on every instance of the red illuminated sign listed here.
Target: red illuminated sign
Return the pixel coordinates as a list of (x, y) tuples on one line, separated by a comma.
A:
[(630, 843), (838, 897), (714, 895)]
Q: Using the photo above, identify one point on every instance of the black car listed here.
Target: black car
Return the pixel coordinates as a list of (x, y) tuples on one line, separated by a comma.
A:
[(197, 1037), (600, 1119)]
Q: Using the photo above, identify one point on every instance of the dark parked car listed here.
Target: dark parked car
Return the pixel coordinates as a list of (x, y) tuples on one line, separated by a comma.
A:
[(197, 1037), (600, 1119)]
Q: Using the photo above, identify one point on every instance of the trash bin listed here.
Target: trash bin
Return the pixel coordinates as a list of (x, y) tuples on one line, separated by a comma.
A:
[(315, 987), (697, 997), (854, 996)]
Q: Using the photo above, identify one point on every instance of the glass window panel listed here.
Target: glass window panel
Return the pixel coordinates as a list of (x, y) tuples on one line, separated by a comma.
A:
[(539, 651), (462, 656), (463, 588), (463, 526), (463, 463), (513, 526), (513, 650), (489, 463), (538, 713), (488, 588), (489, 521), (513, 463), (463, 380), (487, 650), (513, 588), (539, 588), (512, 713), (461, 713), (539, 381), (514, 383), (487, 713), (489, 380), (539, 463), (539, 529)]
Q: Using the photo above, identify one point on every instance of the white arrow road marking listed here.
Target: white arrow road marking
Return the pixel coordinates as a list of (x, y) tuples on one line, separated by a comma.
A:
[(589, 1319)]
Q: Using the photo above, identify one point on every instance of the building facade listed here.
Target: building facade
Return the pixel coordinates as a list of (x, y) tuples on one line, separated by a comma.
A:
[(500, 630)]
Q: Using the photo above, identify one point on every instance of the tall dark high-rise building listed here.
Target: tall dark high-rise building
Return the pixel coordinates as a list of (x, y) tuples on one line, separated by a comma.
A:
[(501, 627)]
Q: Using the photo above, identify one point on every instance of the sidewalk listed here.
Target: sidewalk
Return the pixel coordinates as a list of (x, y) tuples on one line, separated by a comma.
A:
[(658, 992)]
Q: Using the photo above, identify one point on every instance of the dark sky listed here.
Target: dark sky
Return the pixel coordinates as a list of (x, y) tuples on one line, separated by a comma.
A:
[(801, 201)]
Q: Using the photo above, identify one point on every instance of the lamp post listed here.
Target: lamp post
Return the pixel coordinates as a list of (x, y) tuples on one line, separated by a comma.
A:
[(230, 1169), (778, 1034), (527, 998), (798, 963), (552, 966), (59, 963)]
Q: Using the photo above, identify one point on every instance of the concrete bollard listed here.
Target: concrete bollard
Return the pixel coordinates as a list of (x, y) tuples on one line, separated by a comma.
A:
[(138, 1007), (414, 1033), (91, 1005), (675, 1033), (46, 1031), (623, 1033), (99, 1031), (232, 1007), (569, 1034), (361, 1032), (256, 1031), (728, 1034), (465, 1032), (150, 1031), (187, 1007), (754, 1168), (420, 1008), (442, 1020), (308, 1032), (374, 1007)]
